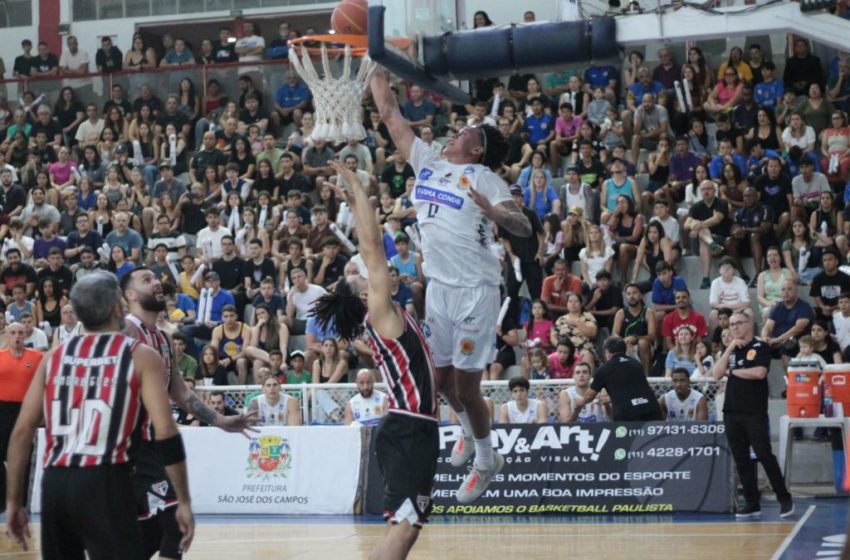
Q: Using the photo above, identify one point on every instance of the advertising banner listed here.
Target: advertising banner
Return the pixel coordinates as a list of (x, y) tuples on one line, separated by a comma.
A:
[(299, 470), (604, 468)]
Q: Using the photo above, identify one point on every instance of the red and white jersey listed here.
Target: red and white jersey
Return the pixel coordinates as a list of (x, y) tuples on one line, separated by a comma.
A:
[(154, 337), (92, 401), (406, 367)]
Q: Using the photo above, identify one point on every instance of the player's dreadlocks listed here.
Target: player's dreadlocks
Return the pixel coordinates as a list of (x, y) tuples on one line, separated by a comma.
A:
[(342, 310)]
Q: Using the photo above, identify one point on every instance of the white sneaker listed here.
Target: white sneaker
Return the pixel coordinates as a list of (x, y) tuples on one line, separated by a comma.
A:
[(462, 451), (477, 481)]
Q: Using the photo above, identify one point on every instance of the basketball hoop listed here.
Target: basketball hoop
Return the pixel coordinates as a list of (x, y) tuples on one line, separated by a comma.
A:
[(337, 98)]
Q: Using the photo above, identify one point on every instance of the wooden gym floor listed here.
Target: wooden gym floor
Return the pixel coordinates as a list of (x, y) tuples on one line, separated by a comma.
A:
[(695, 537)]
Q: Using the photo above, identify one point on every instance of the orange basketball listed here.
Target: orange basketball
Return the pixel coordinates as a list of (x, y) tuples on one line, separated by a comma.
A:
[(350, 17)]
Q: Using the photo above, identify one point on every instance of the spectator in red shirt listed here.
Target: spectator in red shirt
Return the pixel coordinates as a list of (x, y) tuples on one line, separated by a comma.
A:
[(683, 314), (557, 287)]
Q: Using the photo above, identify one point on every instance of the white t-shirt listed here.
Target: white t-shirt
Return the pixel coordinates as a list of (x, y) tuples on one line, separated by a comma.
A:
[(592, 411), (809, 192), (725, 294), (303, 301), (842, 329), (671, 228), (595, 264), (209, 242), (455, 233), (73, 62), (251, 42), (89, 133), (808, 137), (37, 340)]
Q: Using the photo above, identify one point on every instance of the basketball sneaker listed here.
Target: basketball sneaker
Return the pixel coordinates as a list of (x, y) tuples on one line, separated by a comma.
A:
[(477, 481), (786, 508), (462, 451), (748, 512)]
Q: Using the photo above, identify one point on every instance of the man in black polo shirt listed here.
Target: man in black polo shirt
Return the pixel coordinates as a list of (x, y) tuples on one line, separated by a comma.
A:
[(746, 362), (624, 379), (529, 251)]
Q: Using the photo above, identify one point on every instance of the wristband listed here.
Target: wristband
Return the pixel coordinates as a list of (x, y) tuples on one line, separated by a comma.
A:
[(171, 450)]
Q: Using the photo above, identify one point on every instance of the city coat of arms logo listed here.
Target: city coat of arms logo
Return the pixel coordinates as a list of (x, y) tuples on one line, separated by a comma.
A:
[(269, 457)]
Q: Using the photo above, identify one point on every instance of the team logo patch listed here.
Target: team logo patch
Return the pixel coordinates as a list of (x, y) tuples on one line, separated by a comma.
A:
[(467, 346), (469, 170), (422, 502), (269, 457), (464, 182), (751, 355), (443, 182), (426, 330), (425, 174), (159, 488)]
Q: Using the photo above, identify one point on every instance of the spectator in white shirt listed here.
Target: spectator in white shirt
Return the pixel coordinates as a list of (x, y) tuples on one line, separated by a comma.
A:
[(730, 291), (841, 321), (36, 338), (209, 238)]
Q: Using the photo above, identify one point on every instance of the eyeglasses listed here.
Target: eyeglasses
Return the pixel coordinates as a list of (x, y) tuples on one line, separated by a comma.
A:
[(737, 323)]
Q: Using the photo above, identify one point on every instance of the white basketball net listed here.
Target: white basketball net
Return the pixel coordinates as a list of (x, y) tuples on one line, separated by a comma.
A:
[(337, 115)]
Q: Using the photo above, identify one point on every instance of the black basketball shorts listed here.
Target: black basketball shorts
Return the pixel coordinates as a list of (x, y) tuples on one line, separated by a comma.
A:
[(407, 448)]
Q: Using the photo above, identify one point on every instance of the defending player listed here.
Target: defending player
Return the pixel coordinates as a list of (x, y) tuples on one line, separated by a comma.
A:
[(407, 444), (456, 197), (91, 391), (154, 493)]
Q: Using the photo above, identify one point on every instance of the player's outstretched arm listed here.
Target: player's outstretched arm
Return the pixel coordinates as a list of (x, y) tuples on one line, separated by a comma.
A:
[(150, 365), (18, 456), (398, 126), (383, 313)]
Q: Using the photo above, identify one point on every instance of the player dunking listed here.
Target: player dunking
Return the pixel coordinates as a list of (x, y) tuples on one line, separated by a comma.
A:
[(456, 197), (154, 494), (407, 444), (94, 391)]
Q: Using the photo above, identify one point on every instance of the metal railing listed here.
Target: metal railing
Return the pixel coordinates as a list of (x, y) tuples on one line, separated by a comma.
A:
[(324, 403)]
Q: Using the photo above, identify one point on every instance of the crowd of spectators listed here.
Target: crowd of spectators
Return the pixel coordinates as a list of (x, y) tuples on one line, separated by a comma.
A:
[(228, 201)]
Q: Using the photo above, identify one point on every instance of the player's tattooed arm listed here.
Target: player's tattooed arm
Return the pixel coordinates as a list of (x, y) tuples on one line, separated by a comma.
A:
[(505, 214)]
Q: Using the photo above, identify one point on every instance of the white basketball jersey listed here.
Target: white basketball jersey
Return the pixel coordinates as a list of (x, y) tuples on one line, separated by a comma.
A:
[(368, 411), (592, 411), (272, 415), (455, 233), (516, 416), (682, 411), (62, 331)]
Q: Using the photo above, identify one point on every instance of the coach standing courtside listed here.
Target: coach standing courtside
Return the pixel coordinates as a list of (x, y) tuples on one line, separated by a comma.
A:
[(625, 381), (17, 368), (746, 362)]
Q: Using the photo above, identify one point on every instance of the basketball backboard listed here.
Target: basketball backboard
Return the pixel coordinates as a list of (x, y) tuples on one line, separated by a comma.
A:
[(419, 41)]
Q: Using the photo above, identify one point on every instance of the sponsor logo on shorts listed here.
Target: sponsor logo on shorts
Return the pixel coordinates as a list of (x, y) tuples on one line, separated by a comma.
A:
[(269, 457), (425, 174), (438, 197), (422, 502), (467, 346)]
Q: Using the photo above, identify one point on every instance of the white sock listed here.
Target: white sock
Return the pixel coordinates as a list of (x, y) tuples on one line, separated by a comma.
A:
[(484, 453), (463, 416)]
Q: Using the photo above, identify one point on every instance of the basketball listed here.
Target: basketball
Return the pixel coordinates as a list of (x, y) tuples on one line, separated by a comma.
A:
[(350, 17)]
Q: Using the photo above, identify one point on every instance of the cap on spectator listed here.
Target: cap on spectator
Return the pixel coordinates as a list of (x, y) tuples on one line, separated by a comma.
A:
[(576, 211), (165, 164), (572, 168), (212, 275), (806, 160), (319, 208), (294, 354), (516, 190), (120, 149), (401, 237)]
